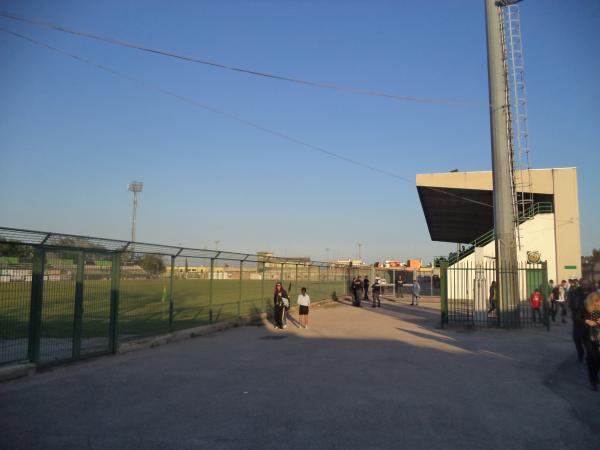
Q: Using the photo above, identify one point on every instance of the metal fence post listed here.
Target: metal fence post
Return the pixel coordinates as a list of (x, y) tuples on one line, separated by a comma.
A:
[(239, 309), (210, 290), (545, 294), (296, 276), (347, 280), (35, 306), (171, 295), (319, 282), (444, 292), (78, 308), (262, 288), (115, 287), (431, 283)]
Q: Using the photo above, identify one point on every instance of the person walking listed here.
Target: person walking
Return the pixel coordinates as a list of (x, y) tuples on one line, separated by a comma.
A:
[(576, 299), (366, 284), (303, 304), (553, 299), (416, 292), (493, 296), (592, 337), (562, 297), (399, 285), (280, 297), (376, 292)]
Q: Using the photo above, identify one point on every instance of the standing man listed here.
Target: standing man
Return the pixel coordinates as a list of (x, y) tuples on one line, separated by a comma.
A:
[(366, 288), (400, 284), (375, 291), (416, 292), (553, 298), (357, 290), (562, 296)]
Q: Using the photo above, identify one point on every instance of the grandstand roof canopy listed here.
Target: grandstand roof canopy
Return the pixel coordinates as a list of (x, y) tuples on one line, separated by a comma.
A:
[(458, 205)]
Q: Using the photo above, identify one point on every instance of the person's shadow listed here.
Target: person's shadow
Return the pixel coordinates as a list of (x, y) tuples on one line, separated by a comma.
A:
[(292, 319)]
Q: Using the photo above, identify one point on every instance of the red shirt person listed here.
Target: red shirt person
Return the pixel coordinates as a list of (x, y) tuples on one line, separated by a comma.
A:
[(536, 303)]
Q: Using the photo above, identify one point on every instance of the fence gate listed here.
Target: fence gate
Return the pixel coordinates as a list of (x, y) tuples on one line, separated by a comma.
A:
[(466, 298), (76, 308)]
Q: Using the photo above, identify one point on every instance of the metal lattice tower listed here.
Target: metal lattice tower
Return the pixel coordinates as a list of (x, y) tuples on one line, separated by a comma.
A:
[(517, 114)]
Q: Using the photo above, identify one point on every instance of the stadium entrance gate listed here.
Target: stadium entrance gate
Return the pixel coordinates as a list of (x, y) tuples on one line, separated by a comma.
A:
[(465, 296)]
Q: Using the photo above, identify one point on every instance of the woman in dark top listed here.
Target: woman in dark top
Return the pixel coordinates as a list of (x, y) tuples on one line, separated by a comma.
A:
[(279, 306), (592, 337)]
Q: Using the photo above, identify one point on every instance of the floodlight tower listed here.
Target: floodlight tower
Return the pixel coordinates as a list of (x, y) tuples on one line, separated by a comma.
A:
[(518, 133), (135, 187), (502, 167)]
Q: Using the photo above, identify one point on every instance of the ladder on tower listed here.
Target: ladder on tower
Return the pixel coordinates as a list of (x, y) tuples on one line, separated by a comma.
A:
[(518, 136)]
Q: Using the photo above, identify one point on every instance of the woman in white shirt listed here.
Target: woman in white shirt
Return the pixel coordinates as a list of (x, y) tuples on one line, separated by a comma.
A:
[(303, 304)]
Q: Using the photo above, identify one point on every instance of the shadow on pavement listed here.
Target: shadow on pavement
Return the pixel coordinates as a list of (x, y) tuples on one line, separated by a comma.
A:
[(354, 380)]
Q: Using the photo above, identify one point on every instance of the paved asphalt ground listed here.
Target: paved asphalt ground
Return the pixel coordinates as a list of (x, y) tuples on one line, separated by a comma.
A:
[(357, 379)]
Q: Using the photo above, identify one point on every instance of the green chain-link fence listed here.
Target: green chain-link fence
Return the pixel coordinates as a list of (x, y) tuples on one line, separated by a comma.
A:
[(65, 297)]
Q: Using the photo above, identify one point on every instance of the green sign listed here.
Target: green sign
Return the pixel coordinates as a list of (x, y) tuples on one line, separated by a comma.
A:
[(571, 267)]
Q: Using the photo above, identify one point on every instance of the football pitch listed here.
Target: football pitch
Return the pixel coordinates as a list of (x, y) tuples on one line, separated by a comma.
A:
[(144, 305)]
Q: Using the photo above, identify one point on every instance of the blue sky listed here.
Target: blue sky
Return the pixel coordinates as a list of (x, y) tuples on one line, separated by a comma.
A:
[(72, 136)]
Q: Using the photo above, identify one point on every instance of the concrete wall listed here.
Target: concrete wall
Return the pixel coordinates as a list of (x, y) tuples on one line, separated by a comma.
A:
[(541, 180), (537, 234), (566, 223)]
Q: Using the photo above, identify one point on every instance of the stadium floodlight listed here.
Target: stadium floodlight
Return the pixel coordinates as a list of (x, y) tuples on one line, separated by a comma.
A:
[(135, 187)]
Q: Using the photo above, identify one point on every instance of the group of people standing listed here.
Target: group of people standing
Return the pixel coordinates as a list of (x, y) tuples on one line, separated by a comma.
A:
[(360, 290), (583, 299), (281, 306)]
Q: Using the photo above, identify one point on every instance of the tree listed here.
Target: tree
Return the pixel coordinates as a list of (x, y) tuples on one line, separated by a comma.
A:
[(438, 260), (15, 249), (152, 264)]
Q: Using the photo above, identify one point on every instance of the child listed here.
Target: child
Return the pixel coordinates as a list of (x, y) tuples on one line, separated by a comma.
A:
[(303, 304), (536, 304)]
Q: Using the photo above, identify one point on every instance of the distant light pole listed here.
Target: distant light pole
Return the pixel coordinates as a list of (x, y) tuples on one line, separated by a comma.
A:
[(217, 245), (359, 252), (135, 187), (327, 253)]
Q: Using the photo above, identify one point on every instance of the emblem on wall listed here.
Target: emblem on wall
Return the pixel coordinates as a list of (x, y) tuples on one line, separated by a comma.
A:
[(534, 257)]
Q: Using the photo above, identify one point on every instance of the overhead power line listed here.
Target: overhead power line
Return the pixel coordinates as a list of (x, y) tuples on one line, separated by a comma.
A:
[(219, 65), (231, 116)]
